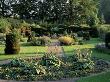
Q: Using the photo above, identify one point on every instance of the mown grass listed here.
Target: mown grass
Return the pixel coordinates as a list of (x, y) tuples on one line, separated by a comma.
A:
[(103, 77), (69, 50), (24, 52)]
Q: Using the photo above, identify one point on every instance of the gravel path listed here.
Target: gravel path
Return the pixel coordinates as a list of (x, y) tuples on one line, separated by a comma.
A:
[(4, 62)]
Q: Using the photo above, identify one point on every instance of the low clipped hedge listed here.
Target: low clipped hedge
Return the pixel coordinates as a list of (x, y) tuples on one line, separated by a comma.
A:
[(107, 40), (41, 41)]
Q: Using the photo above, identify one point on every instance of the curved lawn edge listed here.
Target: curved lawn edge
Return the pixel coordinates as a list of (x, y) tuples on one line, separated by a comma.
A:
[(100, 77), (63, 80)]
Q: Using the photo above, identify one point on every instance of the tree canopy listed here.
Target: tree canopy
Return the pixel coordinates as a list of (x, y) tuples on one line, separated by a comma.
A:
[(55, 11)]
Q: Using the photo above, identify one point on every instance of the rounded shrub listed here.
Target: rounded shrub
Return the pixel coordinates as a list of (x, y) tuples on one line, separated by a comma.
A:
[(107, 40), (41, 41), (65, 40), (12, 43)]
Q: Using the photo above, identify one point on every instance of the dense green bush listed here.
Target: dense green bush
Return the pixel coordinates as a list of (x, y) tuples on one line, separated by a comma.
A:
[(49, 67), (86, 36), (50, 59), (12, 43), (107, 40), (103, 29), (41, 41), (15, 23), (74, 36), (82, 60), (2, 37), (93, 31), (21, 69), (66, 40), (4, 25)]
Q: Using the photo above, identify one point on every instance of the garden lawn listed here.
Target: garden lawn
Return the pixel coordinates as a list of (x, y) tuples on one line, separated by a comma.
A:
[(24, 52), (103, 77), (69, 50)]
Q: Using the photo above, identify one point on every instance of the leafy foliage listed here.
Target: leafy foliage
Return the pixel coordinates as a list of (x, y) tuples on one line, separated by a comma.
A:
[(41, 41), (21, 69), (50, 60), (86, 36), (12, 43), (103, 29), (82, 60), (54, 11), (4, 25), (50, 67), (66, 40), (107, 40)]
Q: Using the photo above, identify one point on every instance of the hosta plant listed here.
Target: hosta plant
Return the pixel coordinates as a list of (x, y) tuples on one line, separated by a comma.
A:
[(49, 59), (82, 60)]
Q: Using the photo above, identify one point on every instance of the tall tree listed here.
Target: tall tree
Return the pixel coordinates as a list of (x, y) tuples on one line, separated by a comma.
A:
[(5, 8)]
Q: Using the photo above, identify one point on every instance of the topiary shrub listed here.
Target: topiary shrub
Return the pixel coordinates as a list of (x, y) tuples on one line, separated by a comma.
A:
[(41, 41), (12, 43), (65, 40), (107, 40)]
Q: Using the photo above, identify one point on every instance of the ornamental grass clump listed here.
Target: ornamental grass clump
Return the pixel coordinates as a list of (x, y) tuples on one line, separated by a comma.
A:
[(66, 40)]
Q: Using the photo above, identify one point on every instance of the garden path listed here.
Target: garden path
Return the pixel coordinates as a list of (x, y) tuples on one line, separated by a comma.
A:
[(4, 62)]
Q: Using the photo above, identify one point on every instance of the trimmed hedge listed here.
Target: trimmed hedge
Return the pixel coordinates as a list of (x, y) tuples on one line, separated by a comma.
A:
[(12, 44), (107, 40)]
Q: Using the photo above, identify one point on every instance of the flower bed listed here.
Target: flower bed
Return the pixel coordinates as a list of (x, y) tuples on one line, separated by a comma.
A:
[(50, 67)]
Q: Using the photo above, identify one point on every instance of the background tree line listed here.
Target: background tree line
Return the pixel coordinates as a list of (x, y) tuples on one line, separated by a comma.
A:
[(55, 11)]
